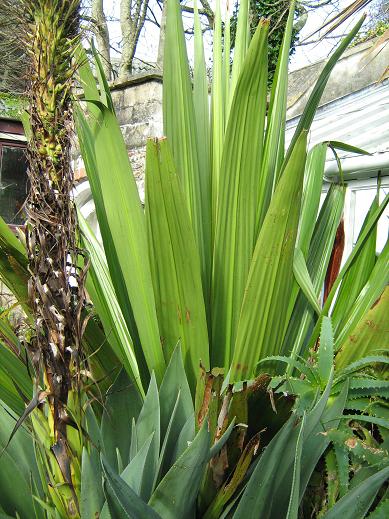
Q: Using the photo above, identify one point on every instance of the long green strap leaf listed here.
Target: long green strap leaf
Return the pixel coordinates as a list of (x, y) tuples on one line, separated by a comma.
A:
[(241, 44), (357, 276), (377, 281), (217, 112), (275, 131), (319, 255), (122, 225), (304, 280), (238, 191), (369, 336), (175, 263), (354, 254), (13, 265), (269, 284), (201, 110), (226, 62), (314, 99), (180, 128), (357, 501), (102, 293), (258, 494)]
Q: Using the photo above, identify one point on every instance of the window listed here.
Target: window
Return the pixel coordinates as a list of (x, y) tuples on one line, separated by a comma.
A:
[(359, 196), (13, 173)]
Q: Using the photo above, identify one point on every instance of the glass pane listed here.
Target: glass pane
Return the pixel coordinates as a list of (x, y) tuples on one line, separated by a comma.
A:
[(13, 184)]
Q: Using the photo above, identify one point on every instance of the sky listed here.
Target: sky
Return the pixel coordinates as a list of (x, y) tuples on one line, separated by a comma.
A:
[(304, 55)]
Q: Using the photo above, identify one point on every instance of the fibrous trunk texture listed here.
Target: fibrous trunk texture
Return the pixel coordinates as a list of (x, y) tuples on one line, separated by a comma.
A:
[(56, 264)]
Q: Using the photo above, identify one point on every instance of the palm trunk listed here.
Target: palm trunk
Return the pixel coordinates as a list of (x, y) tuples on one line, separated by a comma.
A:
[(56, 286)]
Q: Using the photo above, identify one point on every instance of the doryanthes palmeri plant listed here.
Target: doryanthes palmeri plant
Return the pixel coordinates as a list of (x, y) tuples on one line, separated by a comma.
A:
[(251, 221), (49, 30), (228, 258), (238, 249)]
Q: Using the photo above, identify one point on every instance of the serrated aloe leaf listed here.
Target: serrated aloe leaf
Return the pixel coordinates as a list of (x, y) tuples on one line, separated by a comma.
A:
[(274, 147), (302, 367), (269, 284), (363, 363), (92, 496), (122, 225), (122, 500), (179, 123), (325, 354), (294, 501), (357, 501), (376, 457), (369, 336), (369, 419), (332, 477), (176, 494), (324, 416), (314, 99), (236, 206), (381, 511), (175, 263), (123, 403), (343, 468)]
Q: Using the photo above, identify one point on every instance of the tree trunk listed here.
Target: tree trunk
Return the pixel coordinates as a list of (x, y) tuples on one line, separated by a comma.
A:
[(162, 32), (132, 19), (102, 36)]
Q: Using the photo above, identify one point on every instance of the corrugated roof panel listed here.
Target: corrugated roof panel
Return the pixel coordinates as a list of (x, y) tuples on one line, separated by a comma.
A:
[(351, 118), (359, 119)]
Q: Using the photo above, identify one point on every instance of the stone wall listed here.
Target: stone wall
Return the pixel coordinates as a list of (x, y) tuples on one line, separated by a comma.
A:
[(138, 105)]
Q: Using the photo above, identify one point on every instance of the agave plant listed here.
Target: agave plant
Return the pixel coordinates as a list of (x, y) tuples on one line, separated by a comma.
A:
[(227, 259)]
